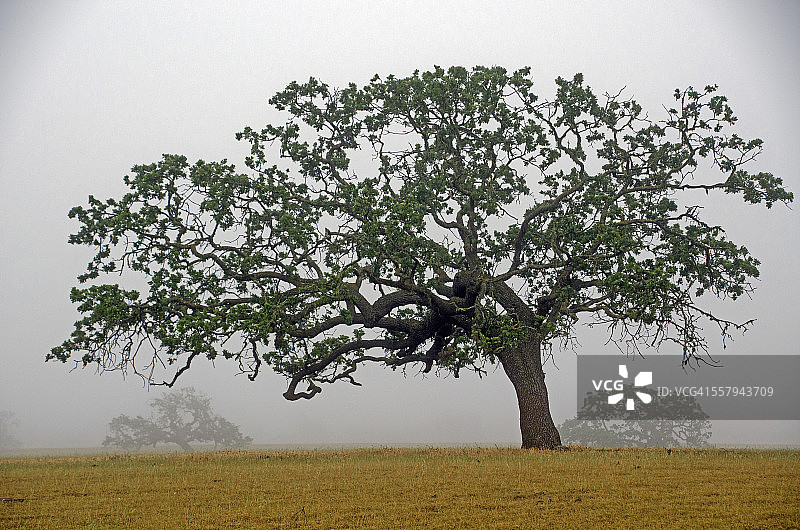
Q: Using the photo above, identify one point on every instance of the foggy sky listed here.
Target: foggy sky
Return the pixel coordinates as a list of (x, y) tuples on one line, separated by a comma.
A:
[(89, 89)]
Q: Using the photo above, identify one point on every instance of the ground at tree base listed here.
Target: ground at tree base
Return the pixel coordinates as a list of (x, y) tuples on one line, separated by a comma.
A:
[(407, 488)]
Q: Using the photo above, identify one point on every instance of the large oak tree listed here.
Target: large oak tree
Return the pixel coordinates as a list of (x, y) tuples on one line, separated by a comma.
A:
[(444, 220)]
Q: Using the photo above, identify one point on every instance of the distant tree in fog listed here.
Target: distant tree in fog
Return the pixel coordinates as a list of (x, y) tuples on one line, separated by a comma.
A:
[(180, 417), (8, 422), (669, 421)]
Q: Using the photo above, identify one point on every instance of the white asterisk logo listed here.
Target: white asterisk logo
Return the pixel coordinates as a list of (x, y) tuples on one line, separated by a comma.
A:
[(641, 379)]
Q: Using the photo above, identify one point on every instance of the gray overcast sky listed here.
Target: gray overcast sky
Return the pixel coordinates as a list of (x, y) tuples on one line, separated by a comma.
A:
[(88, 89)]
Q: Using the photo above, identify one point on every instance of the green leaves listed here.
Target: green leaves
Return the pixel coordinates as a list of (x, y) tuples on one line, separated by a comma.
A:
[(761, 187), (435, 220)]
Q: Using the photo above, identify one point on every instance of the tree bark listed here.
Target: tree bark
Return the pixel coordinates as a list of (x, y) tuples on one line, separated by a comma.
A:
[(523, 366)]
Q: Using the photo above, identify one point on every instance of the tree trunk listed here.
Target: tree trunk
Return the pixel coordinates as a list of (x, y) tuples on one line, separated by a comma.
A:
[(523, 366), (181, 441)]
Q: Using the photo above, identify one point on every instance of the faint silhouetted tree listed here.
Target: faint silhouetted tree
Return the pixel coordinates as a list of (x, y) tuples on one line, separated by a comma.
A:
[(599, 424), (8, 422), (180, 417)]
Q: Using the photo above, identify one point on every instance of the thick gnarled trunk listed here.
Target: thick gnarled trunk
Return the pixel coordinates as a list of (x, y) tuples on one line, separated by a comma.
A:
[(523, 366)]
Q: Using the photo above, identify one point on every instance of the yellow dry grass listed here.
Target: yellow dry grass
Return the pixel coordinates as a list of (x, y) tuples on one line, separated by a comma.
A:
[(407, 488)]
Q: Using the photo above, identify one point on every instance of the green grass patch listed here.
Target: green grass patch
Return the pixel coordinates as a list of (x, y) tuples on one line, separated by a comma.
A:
[(406, 488)]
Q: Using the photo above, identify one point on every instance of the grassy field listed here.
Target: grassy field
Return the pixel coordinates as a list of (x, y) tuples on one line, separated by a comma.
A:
[(406, 488)]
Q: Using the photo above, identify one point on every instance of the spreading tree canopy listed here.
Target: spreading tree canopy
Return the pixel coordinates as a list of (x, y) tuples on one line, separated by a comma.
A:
[(446, 220), (181, 417), (669, 421)]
